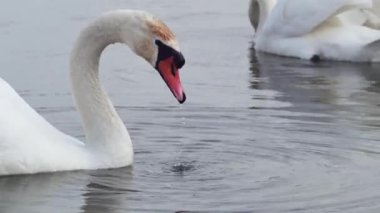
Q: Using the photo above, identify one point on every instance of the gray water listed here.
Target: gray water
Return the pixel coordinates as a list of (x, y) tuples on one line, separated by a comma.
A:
[(259, 133)]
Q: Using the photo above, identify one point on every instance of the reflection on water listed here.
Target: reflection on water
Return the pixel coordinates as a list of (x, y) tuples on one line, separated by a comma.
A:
[(102, 191), (106, 191), (330, 88), (330, 115), (259, 133)]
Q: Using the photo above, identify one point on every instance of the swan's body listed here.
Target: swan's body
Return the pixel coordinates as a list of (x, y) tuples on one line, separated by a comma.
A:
[(345, 30), (29, 144)]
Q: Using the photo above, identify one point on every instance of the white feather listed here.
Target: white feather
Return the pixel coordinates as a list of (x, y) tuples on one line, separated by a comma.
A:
[(331, 29)]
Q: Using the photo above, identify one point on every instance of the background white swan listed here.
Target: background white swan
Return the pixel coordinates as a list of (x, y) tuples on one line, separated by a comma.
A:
[(345, 30), (29, 144)]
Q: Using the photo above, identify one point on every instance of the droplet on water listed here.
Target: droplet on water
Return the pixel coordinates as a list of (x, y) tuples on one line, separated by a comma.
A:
[(182, 167)]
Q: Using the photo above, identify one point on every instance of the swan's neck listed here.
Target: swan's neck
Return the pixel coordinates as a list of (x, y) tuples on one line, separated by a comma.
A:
[(259, 10), (103, 127)]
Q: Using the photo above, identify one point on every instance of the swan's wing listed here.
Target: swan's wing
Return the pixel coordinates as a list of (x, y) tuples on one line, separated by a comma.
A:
[(356, 17), (369, 17), (376, 7), (28, 143), (299, 17), (373, 15), (21, 127)]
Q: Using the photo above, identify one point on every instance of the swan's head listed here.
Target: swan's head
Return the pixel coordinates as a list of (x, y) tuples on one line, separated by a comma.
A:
[(157, 44)]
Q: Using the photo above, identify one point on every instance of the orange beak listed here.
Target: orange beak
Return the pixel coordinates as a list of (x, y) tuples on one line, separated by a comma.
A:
[(170, 73)]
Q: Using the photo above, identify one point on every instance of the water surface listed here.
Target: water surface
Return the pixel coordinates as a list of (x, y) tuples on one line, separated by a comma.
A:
[(259, 133)]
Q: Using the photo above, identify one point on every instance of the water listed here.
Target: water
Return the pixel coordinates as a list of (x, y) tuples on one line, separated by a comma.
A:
[(259, 133)]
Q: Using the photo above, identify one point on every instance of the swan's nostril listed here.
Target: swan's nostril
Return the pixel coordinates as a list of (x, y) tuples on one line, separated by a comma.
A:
[(174, 70)]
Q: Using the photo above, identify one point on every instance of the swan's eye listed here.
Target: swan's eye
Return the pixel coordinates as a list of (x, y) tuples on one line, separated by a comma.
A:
[(164, 51)]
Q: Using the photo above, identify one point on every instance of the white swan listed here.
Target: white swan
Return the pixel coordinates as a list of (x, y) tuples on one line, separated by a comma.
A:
[(29, 144), (344, 30)]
